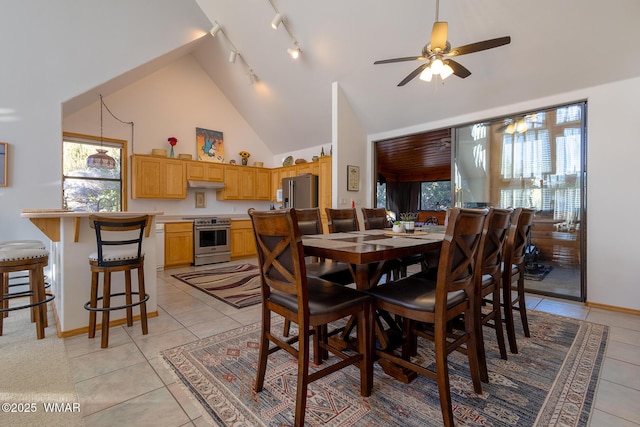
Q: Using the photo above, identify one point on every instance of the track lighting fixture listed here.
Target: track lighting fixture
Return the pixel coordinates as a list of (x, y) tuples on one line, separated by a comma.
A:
[(277, 20), (233, 53), (216, 28), (294, 51)]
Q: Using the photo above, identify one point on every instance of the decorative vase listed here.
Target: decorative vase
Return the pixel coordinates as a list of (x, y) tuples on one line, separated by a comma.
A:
[(244, 161), (409, 226), (171, 152), (398, 228)]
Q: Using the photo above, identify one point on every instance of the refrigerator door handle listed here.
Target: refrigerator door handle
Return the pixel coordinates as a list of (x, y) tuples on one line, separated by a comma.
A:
[(292, 202)]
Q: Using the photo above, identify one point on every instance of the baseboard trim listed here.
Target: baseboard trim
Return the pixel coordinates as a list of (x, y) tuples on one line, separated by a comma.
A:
[(85, 329), (612, 308)]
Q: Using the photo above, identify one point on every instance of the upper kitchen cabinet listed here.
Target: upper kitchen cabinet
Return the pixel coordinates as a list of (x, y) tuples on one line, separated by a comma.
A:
[(158, 178), (204, 171), (245, 183)]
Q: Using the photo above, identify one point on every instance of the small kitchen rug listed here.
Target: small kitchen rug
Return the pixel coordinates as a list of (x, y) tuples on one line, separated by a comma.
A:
[(237, 285), (550, 382)]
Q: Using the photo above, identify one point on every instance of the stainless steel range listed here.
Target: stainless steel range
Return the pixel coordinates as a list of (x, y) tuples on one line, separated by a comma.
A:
[(211, 240)]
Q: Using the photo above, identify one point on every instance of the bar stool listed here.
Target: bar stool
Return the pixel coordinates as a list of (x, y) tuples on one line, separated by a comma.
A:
[(34, 260), (113, 255), (7, 285)]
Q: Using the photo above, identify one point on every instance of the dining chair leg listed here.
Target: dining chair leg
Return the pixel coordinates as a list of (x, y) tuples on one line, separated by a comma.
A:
[(522, 307), (497, 322), (303, 381), (442, 369), (263, 352), (508, 319)]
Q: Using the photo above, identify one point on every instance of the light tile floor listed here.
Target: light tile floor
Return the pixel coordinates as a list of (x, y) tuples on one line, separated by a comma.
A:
[(127, 384)]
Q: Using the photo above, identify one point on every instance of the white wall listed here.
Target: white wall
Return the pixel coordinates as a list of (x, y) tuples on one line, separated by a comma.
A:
[(350, 140), (613, 150), (54, 51), (173, 101)]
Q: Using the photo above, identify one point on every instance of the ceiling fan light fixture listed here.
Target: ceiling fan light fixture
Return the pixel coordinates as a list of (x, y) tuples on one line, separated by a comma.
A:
[(446, 71), (277, 20), (294, 52), (436, 66), (426, 74), (510, 129), (521, 126)]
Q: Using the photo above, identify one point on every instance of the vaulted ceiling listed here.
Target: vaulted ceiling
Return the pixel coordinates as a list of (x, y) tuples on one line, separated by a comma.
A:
[(557, 46)]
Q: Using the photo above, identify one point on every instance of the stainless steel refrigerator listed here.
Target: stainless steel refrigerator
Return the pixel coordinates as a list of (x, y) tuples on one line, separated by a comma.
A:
[(300, 192)]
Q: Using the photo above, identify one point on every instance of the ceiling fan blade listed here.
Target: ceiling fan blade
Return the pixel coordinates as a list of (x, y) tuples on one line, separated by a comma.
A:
[(458, 69), (477, 47), (439, 36), (413, 74), (406, 58)]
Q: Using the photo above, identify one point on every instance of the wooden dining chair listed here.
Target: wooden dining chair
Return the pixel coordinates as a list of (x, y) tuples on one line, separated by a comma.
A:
[(489, 280), (309, 302), (421, 301), (375, 218), (515, 247), (342, 220), (309, 223)]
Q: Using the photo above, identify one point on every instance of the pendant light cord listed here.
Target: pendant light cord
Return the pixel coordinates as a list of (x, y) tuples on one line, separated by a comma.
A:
[(102, 104)]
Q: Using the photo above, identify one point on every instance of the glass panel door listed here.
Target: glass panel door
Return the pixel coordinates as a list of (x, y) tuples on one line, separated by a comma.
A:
[(536, 160)]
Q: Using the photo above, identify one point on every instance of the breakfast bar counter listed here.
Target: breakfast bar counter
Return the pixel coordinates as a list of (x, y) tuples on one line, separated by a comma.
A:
[(72, 240)]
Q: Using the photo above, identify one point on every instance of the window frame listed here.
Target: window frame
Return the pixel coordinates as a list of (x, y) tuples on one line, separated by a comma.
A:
[(96, 140)]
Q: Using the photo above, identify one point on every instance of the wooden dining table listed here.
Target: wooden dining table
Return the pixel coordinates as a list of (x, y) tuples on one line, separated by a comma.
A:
[(368, 252)]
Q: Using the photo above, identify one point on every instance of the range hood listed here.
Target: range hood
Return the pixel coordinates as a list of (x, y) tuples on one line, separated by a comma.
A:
[(205, 184)]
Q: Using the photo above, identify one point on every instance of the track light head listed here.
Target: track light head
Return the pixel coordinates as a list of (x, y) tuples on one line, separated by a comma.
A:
[(277, 20), (215, 29), (232, 56), (294, 52)]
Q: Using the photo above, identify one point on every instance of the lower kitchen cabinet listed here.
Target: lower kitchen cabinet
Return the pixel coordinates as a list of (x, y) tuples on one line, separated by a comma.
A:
[(178, 244), (243, 243)]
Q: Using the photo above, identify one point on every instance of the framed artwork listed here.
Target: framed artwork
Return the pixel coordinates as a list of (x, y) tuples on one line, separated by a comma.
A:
[(209, 145), (353, 178), (200, 200), (3, 164)]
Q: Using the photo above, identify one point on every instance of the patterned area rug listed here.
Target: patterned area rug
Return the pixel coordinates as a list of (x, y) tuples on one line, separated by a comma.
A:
[(237, 285), (551, 382)]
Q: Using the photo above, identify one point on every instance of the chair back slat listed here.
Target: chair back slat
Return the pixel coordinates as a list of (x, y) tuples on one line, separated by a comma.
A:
[(280, 253), (108, 231), (518, 238), (497, 227), (309, 221), (458, 259)]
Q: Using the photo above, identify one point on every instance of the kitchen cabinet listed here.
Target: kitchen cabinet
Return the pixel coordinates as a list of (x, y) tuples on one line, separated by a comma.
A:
[(243, 243), (158, 178), (178, 246), (205, 171), (245, 183)]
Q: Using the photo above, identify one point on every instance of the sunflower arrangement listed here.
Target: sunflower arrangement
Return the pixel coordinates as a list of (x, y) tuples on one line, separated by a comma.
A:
[(244, 155)]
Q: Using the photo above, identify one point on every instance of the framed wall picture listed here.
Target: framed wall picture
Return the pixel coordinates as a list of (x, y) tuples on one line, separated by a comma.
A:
[(353, 178), (3, 164), (209, 145), (200, 200)]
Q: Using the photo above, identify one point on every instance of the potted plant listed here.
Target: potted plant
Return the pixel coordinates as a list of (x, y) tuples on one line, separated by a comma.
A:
[(398, 227), (408, 221)]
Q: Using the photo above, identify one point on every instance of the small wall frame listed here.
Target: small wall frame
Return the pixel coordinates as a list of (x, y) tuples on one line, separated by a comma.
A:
[(201, 201), (353, 178)]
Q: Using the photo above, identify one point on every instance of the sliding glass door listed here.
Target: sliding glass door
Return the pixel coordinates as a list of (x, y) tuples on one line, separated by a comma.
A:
[(534, 159)]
